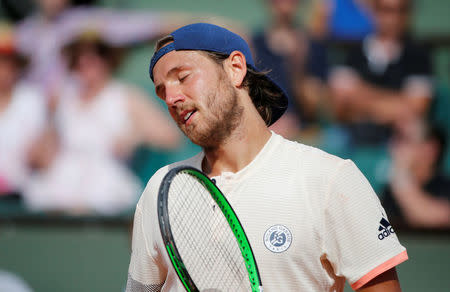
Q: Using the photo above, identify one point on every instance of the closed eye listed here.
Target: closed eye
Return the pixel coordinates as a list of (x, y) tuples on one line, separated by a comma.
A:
[(183, 77)]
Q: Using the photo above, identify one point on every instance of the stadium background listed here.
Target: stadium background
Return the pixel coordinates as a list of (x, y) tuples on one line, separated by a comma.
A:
[(92, 253)]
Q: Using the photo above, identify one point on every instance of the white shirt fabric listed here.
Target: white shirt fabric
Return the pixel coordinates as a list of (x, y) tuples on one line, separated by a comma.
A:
[(324, 206), (94, 128), (86, 175), (20, 123)]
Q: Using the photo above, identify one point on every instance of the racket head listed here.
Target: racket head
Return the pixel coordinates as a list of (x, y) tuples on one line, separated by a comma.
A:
[(234, 228)]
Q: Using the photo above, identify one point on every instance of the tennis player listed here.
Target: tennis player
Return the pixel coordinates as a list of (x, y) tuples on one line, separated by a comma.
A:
[(312, 219)]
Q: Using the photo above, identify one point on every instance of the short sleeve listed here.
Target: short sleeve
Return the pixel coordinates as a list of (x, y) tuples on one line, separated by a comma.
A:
[(418, 80), (355, 59), (144, 273), (359, 241), (418, 60), (317, 63)]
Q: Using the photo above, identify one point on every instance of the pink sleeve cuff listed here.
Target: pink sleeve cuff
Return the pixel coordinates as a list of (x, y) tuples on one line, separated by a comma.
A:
[(389, 264)]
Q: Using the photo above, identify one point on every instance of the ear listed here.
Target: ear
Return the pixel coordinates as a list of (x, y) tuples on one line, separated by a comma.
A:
[(236, 67)]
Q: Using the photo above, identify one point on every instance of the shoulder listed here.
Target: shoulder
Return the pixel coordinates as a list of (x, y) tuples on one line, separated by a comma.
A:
[(413, 49), (309, 156), (258, 36), (116, 94), (115, 85), (31, 95), (315, 169), (122, 90), (26, 88), (27, 27)]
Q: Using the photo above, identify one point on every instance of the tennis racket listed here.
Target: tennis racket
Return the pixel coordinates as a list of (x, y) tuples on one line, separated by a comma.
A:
[(203, 237)]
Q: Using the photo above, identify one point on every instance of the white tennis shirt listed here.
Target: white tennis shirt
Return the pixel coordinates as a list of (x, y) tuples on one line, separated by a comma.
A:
[(312, 219)]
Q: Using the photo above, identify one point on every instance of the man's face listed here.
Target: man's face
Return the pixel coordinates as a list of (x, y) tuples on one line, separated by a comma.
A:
[(199, 96), (392, 17), (282, 9), (90, 66)]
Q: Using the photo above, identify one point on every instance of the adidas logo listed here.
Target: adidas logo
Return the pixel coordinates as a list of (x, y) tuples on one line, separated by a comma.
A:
[(385, 228)]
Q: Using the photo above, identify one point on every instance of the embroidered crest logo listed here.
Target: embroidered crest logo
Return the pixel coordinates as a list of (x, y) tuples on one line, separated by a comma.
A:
[(277, 238)]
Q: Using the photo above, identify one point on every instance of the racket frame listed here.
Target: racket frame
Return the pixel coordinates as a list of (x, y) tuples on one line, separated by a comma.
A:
[(227, 211)]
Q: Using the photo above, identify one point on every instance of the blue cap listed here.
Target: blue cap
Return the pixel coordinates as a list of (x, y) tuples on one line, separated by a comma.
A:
[(213, 38)]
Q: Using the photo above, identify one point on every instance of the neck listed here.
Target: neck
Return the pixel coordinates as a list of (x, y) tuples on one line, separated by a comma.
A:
[(280, 24), (239, 149), (91, 89), (386, 38)]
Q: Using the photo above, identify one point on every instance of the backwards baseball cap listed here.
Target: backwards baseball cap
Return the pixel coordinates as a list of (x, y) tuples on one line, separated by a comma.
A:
[(213, 38)]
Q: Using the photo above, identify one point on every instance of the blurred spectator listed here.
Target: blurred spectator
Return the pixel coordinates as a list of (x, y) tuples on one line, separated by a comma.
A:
[(296, 61), (22, 115), (98, 123), (386, 79), (42, 35), (345, 20), (419, 192)]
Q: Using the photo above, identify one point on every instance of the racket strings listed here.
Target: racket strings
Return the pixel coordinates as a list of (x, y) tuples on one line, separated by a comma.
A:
[(219, 245), (187, 237), (226, 253), (204, 239), (181, 222)]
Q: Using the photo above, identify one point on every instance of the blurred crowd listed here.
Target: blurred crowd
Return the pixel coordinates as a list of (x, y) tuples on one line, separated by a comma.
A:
[(360, 86)]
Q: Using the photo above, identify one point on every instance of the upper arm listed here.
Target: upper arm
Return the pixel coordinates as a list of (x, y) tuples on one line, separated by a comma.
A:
[(418, 82), (317, 63), (359, 241), (145, 272), (385, 282), (148, 269)]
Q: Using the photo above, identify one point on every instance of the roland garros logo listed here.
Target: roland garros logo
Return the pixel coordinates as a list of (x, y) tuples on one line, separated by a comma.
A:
[(277, 238)]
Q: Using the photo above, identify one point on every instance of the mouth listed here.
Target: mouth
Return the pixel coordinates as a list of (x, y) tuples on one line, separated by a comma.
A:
[(186, 116)]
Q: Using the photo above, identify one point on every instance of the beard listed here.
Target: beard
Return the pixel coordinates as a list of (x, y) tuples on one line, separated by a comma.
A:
[(220, 117)]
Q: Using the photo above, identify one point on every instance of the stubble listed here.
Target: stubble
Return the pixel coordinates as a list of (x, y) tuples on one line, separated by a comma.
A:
[(224, 114)]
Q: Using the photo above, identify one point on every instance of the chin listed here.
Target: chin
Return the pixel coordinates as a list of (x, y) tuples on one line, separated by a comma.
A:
[(204, 139)]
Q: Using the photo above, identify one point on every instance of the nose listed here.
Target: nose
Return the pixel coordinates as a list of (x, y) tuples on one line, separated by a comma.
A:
[(173, 96)]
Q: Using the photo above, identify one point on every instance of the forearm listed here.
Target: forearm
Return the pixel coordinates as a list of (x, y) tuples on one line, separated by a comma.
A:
[(151, 125), (386, 282), (383, 108), (309, 93), (163, 135), (420, 208), (126, 27), (386, 106)]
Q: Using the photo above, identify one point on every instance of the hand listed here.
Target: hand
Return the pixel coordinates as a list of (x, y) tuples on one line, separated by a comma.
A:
[(289, 43), (345, 82), (403, 155)]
